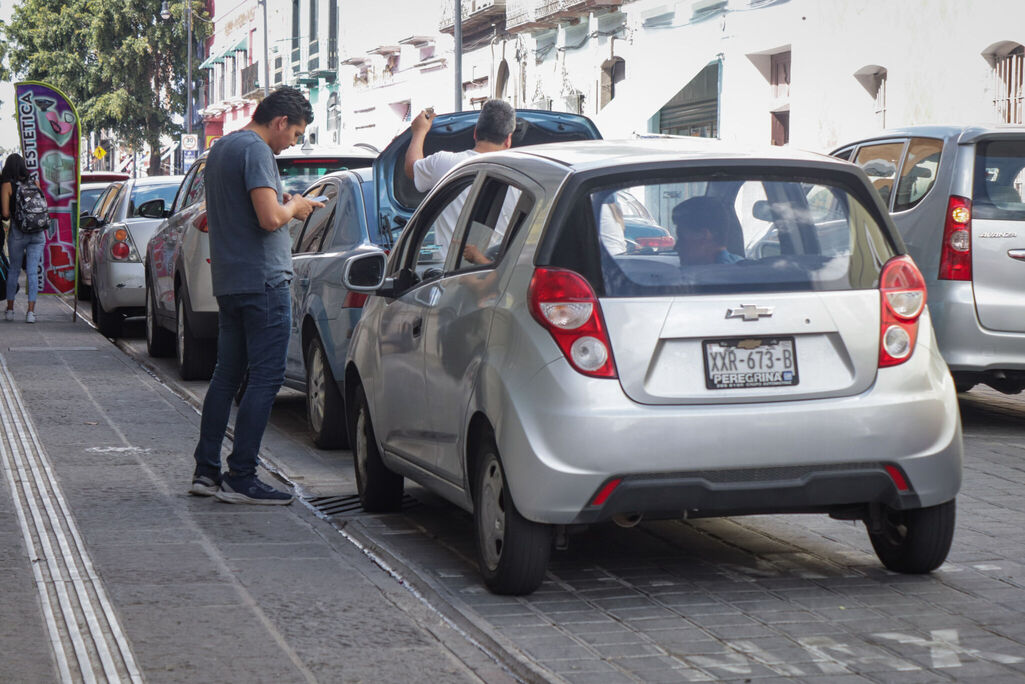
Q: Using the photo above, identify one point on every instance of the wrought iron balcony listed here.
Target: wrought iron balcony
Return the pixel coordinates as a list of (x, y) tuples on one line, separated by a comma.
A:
[(251, 81), (476, 14)]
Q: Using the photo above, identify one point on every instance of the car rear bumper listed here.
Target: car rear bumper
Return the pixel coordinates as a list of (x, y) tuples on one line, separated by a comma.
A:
[(571, 435), (964, 343), (123, 285)]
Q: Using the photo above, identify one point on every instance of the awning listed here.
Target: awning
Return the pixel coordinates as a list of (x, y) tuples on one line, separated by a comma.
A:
[(219, 56), (639, 96)]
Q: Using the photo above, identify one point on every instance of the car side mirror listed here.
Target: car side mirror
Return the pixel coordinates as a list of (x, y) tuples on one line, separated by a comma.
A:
[(154, 209), (762, 210), (365, 273), (88, 222)]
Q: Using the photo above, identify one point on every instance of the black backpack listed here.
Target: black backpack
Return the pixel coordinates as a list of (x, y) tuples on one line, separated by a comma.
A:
[(31, 214)]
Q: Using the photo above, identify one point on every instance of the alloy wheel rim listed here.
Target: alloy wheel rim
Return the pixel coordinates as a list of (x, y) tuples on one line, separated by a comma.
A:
[(492, 515), (316, 388), (361, 449)]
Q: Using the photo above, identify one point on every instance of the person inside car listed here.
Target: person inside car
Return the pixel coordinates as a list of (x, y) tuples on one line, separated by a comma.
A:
[(701, 227)]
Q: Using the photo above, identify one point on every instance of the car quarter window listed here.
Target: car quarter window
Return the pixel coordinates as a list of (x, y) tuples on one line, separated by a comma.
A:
[(104, 201), (918, 174), (348, 225), (197, 186), (499, 209), (316, 225), (880, 163), (112, 209)]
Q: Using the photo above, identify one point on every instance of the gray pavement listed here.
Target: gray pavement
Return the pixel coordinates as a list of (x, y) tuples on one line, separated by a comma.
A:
[(200, 590)]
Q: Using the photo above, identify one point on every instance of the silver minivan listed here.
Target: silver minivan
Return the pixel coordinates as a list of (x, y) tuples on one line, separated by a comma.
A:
[(957, 196), (777, 358)]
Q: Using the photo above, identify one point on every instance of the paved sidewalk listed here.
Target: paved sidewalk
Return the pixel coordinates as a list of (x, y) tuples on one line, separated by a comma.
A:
[(200, 590)]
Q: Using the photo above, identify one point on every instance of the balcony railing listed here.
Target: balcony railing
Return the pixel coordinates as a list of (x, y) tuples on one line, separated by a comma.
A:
[(476, 14), (529, 15)]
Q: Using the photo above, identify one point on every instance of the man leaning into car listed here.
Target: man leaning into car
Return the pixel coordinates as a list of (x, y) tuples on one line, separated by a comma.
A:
[(251, 267)]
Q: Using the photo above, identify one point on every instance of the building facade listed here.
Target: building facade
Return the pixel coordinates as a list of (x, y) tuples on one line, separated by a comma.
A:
[(810, 73)]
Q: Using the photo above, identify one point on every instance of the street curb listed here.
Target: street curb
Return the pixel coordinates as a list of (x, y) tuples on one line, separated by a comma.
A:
[(493, 645)]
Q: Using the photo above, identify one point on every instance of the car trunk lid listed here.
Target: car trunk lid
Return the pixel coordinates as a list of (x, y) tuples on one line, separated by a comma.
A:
[(728, 348)]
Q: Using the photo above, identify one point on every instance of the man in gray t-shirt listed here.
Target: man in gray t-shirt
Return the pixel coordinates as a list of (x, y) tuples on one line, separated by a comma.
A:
[(251, 266)]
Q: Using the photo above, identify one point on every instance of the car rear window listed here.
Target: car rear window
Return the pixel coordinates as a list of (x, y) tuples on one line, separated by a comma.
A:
[(144, 193), (299, 174), (745, 233), (999, 188)]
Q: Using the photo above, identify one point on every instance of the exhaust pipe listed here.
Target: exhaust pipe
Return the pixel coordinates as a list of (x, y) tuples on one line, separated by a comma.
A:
[(627, 519)]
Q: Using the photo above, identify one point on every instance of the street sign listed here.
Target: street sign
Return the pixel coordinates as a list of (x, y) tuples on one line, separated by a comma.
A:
[(188, 156), (190, 142), (99, 152)]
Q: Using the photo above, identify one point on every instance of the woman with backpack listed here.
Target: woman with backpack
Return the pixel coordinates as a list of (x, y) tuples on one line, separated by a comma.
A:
[(15, 180)]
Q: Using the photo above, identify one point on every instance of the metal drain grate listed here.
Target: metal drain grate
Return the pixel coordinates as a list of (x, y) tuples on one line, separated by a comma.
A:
[(349, 506)]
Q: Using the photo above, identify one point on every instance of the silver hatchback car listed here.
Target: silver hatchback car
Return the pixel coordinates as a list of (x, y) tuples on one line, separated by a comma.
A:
[(957, 196), (778, 359)]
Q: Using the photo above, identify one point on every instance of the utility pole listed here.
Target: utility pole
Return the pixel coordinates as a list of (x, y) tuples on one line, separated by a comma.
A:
[(458, 66), (266, 53)]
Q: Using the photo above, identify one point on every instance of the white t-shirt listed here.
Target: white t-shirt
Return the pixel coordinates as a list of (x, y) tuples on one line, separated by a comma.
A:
[(610, 231), (426, 174)]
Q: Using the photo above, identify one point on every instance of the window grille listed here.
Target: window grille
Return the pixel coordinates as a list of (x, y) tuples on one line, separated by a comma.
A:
[(1008, 72)]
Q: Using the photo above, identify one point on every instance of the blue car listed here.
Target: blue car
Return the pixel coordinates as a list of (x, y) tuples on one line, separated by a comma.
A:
[(364, 210)]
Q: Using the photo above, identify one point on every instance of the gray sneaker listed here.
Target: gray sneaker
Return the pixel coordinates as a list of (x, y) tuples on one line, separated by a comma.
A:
[(249, 490), (204, 486), (9, 315)]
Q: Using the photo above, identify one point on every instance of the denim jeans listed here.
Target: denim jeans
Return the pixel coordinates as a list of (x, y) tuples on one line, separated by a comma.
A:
[(29, 245), (253, 334)]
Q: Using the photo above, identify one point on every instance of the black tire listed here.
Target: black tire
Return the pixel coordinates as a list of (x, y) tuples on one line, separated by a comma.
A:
[(380, 490), (325, 409), (82, 291), (512, 552), (108, 323), (196, 357), (159, 341), (915, 541)]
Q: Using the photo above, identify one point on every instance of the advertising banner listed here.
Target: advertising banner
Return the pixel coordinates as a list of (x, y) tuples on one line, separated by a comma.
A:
[(50, 135)]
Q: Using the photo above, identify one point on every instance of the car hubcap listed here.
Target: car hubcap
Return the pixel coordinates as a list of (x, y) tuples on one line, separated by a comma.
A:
[(180, 331), (492, 515), (315, 387), (361, 448)]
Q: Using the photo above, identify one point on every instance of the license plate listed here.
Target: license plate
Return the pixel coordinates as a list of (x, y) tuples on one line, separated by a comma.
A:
[(742, 363)]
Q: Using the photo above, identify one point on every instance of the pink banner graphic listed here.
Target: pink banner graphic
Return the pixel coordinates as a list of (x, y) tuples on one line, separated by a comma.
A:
[(50, 136)]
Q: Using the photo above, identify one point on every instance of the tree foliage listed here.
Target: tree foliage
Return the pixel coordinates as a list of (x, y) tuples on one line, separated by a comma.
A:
[(122, 65)]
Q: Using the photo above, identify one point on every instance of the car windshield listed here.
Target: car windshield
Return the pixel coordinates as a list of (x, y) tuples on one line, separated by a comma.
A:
[(999, 191), (742, 234), (299, 174), (144, 193)]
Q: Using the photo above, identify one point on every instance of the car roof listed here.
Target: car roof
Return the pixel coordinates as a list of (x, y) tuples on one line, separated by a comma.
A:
[(159, 180), (964, 134), (595, 154), (299, 152), (94, 186)]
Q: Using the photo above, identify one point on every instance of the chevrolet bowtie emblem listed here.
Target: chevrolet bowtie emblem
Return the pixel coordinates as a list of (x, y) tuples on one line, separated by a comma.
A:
[(750, 312)]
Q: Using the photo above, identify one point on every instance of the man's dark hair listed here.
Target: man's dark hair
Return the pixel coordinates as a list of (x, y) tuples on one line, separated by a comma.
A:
[(702, 213), (496, 122), (15, 169), (284, 101)]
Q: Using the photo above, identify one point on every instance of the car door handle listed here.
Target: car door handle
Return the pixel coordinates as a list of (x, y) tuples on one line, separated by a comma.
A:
[(1018, 254), (418, 326)]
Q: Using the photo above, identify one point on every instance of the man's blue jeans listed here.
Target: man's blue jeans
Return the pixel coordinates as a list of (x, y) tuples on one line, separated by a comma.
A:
[(253, 333)]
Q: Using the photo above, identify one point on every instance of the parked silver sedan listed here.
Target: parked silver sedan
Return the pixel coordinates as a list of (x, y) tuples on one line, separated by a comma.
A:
[(779, 359), (117, 274)]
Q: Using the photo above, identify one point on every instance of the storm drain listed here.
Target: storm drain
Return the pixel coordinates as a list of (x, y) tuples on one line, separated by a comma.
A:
[(349, 506)]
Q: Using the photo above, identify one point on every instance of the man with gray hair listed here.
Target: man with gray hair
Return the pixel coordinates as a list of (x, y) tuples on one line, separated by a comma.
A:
[(493, 133)]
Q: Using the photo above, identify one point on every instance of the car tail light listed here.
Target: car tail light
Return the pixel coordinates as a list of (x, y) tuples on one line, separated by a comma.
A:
[(902, 301), (565, 305), (199, 223), (120, 249), (664, 242), (354, 300), (956, 254)]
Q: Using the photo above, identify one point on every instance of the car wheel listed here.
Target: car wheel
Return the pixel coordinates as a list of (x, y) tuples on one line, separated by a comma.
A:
[(380, 490), (512, 552), (159, 342), (108, 323), (82, 291), (196, 357), (324, 410), (915, 541)]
